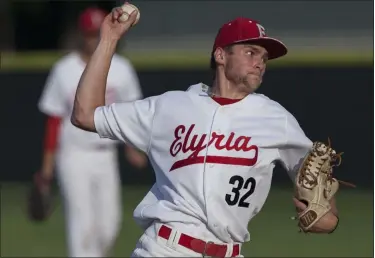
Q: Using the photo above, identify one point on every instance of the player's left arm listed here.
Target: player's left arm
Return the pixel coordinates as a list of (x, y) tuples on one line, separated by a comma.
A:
[(297, 145)]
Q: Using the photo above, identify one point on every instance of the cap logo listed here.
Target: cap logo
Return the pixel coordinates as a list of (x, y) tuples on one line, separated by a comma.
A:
[(262, 31)]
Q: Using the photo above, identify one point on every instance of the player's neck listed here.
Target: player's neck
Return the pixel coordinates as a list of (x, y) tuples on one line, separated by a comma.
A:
[(226, 89)]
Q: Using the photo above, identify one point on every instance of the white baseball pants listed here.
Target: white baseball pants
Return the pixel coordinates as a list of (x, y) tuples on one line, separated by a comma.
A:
[(91, 191)]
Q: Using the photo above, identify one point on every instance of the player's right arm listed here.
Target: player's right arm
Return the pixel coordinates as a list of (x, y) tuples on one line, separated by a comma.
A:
[(53, 106), (91, 89), (52, 128), (129, 122)]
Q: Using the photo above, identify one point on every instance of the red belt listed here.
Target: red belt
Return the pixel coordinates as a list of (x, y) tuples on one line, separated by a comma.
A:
[(199, 246)]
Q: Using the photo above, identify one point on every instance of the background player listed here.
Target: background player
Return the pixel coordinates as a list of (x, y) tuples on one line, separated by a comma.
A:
[(213, 150), (87, 169)]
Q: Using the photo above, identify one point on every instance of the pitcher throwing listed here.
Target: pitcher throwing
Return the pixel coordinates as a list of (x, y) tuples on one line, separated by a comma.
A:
[(213, 149)]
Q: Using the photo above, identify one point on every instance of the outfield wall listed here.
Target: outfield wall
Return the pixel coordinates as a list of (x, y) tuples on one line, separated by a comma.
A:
[(333, 101)]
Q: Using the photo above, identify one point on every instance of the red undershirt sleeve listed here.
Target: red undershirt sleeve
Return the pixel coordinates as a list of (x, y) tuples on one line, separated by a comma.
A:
[(51, 133)]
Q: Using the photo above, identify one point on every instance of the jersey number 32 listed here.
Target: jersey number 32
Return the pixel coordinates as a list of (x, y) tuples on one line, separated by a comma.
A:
[(235, 198)]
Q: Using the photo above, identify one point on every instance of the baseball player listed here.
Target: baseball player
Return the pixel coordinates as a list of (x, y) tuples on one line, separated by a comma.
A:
[(87, 169), (213, 148)]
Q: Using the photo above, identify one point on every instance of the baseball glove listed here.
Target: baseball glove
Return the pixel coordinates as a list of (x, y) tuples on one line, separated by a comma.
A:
[(315, 185), (39, 199)]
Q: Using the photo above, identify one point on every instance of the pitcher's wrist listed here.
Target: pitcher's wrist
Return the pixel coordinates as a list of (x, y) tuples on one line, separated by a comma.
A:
[(108, 44)]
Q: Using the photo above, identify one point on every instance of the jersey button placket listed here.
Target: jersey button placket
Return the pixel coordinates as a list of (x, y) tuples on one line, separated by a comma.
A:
[(218, 127), (209, 166)]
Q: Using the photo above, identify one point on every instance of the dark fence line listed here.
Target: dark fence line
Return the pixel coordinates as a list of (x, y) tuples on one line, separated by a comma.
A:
[(328, 102)]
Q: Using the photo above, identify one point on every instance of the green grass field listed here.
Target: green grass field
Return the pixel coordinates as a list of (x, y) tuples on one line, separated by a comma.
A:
[(273, 233)]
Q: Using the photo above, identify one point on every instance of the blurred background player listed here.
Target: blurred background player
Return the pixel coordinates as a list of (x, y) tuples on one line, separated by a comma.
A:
[(87, 166)]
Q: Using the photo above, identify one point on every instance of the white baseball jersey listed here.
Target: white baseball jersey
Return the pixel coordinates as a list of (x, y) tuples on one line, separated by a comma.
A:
[(58, 95), (213, 163)]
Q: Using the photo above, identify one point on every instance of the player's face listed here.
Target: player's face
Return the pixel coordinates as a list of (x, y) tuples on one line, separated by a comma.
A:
[(91, 41), (245, 65)]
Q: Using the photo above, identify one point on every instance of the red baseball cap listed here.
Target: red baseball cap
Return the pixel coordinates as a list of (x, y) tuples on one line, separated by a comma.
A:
[(91, 19), (248, 30)]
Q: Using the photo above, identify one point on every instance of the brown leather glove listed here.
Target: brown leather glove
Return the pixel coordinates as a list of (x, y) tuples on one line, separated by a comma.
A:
[(39, 198), (314, 189)]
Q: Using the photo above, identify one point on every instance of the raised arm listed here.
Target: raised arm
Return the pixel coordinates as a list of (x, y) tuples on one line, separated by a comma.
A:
[(90, 92)]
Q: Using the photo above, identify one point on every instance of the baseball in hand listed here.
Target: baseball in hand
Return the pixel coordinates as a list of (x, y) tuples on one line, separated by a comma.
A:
[(128, 9)]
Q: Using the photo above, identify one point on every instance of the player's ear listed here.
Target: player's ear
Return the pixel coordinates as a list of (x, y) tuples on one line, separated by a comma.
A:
[(219, 56)]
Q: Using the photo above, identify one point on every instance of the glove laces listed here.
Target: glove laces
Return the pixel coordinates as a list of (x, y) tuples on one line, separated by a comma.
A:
[(321, 160)]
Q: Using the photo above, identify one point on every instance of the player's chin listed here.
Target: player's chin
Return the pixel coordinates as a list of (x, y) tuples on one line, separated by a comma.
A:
[(253, 84)]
